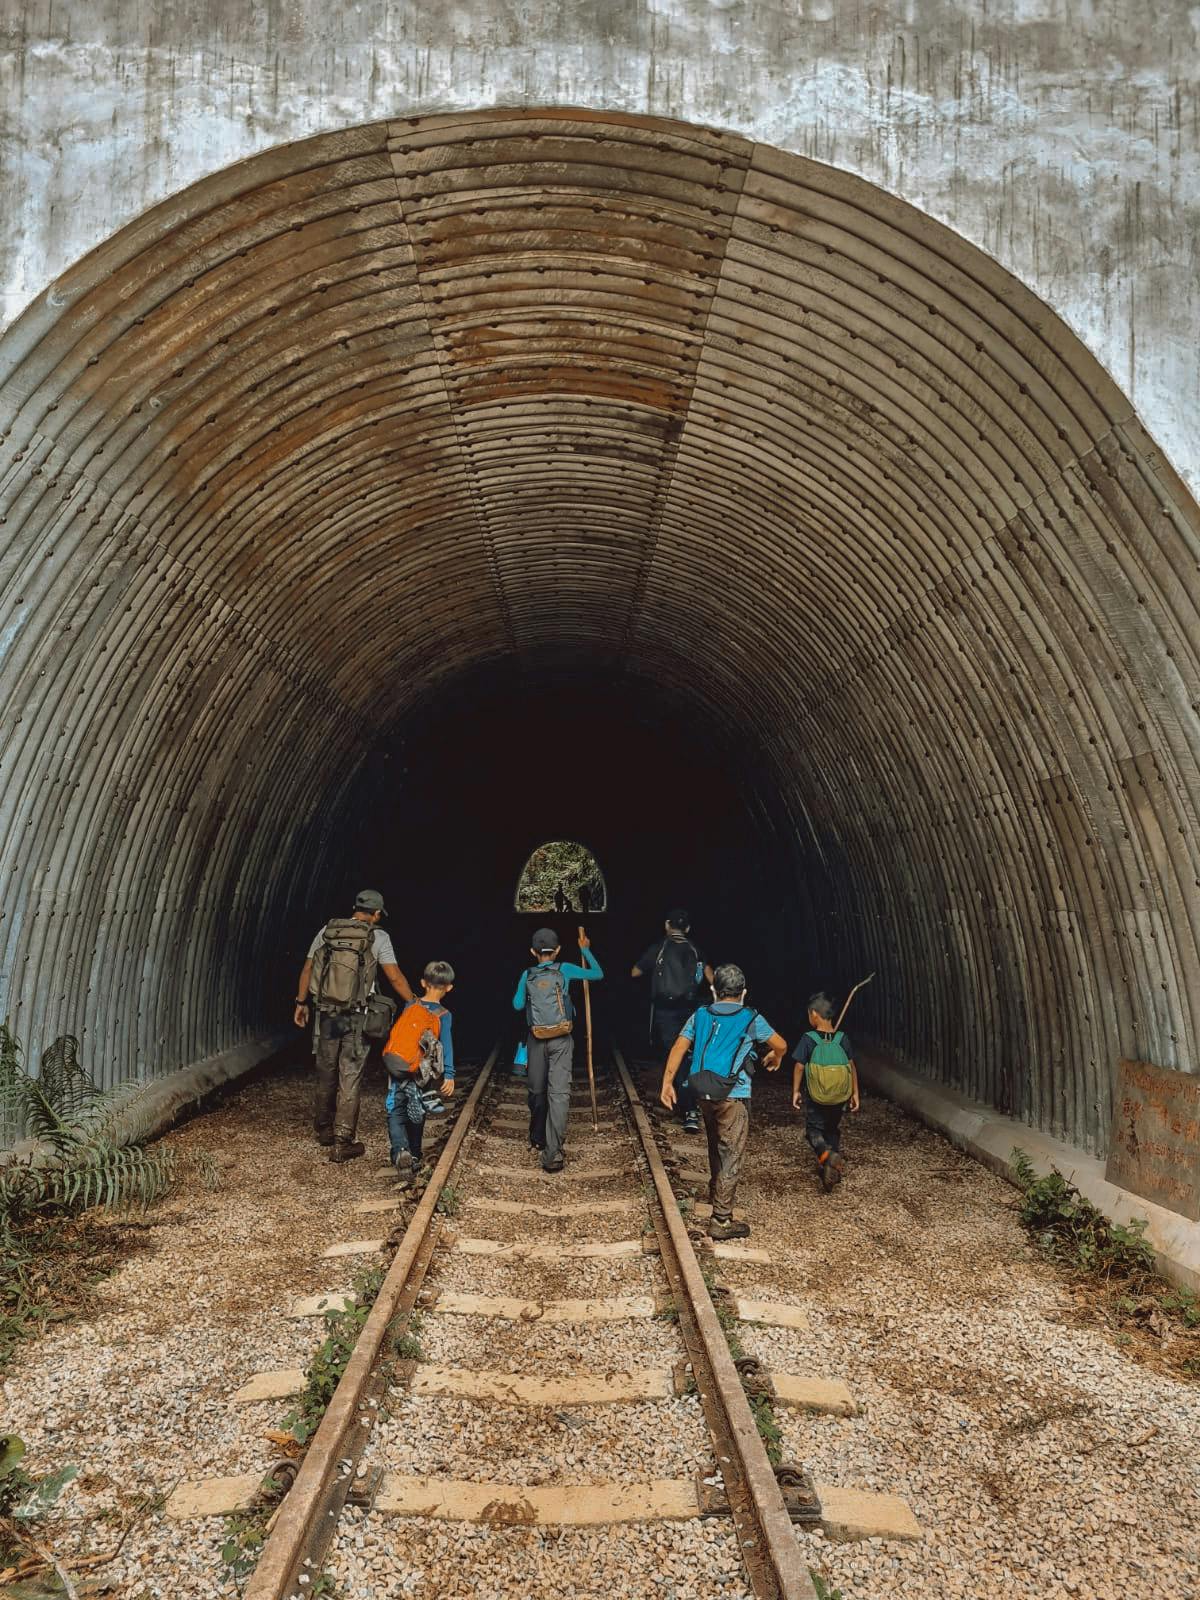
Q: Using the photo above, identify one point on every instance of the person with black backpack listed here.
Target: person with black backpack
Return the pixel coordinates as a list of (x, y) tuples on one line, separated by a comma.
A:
[(543, 994), (723, 1038), (338, 977), (676, 969)]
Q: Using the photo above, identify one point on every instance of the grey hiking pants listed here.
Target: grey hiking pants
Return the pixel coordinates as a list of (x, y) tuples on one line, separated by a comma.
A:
[(340, 1061), (550, 1062), (727, 1124)]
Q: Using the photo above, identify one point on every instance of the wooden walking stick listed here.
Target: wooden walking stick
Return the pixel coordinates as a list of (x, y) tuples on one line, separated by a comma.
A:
[(587, 1017), (850, 997)]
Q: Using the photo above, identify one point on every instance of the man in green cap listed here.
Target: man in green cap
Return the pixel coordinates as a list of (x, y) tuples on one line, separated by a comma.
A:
[(339, 974)]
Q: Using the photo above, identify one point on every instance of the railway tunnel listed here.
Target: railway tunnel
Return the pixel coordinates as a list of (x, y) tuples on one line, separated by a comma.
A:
[(393, 500)]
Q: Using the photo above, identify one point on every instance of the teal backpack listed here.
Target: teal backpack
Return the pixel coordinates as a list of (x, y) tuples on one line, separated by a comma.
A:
[(827, 1076)]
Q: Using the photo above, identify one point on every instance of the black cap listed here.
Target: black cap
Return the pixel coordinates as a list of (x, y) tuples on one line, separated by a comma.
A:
[(677, 917), (544, 939)]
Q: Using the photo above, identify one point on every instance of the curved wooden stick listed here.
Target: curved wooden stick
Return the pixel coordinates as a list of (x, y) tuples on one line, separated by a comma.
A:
[(850, 997)]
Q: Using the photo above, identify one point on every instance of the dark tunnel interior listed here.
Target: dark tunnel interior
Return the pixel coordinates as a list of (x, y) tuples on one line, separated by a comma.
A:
[(487, 772), (394, 501)]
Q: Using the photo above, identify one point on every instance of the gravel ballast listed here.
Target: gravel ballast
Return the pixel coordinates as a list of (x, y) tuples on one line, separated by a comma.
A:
[(1041, 1461)]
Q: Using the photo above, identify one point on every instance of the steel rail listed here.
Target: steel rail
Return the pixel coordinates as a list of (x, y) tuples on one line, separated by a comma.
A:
[(300, 1519), (774, 1563)]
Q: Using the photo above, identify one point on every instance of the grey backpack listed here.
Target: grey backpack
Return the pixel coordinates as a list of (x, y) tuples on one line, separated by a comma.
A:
[(547, 1008), (343, 972)]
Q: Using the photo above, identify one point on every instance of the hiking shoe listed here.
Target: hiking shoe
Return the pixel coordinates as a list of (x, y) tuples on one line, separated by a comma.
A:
[(728, 1230), (323, 1136), (344, 1150), (691, 1123), (554, 1166), (520, 1072), (828, 1172), (836, 1163)]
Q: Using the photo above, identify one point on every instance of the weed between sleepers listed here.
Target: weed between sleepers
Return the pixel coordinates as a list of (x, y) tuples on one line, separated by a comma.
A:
[(761, 1406), (407, 1342), (1072, 1233), (324, 1373), (246, 1531)]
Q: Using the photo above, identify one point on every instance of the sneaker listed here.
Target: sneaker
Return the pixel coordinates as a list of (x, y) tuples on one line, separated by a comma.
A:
[(554, 1166), (344, 1150), (728, 1230), (828, 1172), (323, 1136), (836, 1163), (434, 1105), (691, 1123), (520, 1072)]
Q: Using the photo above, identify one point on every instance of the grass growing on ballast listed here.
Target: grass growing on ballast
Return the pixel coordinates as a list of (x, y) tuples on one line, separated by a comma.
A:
[(324, 1373), (246, 1531), (762, 1408), (1113, 1262)]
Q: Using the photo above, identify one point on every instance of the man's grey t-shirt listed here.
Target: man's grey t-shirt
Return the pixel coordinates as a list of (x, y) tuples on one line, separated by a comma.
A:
[(381, 943)]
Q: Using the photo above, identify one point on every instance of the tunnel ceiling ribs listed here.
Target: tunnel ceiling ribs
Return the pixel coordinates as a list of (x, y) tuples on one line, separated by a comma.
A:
[(352, 418)]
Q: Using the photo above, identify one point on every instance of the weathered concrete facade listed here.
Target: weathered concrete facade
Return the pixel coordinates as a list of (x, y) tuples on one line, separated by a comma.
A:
[(1061, 136)]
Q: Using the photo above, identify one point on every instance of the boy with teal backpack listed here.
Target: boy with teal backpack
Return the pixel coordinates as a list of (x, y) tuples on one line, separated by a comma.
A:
[(824, 1083)]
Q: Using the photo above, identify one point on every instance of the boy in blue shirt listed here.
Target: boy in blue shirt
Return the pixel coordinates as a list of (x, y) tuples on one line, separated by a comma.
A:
[(543, 993), (407, 1105), (721, 1037)]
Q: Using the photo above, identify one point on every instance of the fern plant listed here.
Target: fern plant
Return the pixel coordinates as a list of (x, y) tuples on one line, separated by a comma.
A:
[(85, 1151)]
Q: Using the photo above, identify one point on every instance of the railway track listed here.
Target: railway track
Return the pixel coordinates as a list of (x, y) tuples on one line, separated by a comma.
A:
[(569, 1319)]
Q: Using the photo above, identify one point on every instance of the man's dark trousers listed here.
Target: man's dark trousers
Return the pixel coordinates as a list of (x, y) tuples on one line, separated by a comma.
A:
[(550, 1062), (341, 1056), (666, 1024)]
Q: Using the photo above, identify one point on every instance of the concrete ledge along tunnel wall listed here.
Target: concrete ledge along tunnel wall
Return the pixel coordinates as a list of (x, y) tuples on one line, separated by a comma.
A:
[(656, 401)]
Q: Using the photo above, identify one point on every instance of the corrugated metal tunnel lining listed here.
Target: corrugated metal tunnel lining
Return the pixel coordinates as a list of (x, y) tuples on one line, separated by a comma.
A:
[(367, 413)]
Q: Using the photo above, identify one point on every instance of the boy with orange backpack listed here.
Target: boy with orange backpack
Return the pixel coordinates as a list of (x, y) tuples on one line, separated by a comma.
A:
[(419, 1051)]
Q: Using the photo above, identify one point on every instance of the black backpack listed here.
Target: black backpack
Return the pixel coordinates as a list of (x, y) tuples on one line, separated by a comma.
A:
[(673, 982)]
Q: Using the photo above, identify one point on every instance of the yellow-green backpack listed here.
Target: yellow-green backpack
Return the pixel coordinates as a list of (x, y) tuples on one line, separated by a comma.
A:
[(827, 1076)]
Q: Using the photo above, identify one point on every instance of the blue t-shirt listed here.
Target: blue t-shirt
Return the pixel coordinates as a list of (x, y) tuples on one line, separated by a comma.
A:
[(758, 1033)]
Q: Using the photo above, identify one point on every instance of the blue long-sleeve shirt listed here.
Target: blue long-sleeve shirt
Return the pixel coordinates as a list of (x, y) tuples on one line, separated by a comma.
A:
[(591, 970)]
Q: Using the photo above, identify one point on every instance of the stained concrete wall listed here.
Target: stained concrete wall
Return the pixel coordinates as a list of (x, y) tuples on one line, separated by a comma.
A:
[(1059, 135)]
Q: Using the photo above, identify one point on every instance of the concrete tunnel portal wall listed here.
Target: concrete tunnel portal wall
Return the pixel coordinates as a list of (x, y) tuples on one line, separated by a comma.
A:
[(572, 356)]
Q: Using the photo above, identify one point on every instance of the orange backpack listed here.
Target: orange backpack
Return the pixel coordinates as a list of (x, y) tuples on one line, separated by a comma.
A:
[(414, 1045)]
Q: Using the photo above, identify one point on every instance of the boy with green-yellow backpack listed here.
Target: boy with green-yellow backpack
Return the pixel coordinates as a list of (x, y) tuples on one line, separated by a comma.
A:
[(824, 1083)]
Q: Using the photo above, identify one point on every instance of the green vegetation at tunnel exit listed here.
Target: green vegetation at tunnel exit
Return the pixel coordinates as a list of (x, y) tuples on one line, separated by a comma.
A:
[(560, 877), (1113, 1267)]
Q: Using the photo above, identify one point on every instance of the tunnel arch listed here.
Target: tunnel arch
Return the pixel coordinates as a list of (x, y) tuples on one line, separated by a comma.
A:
[(523, 390)]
